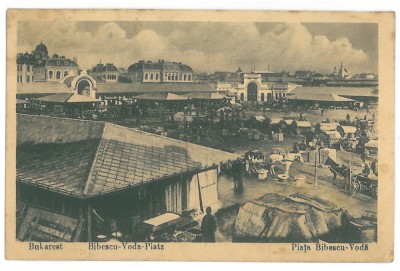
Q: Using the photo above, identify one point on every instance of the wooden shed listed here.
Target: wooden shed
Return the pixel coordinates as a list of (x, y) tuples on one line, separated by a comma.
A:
[(95, 171)]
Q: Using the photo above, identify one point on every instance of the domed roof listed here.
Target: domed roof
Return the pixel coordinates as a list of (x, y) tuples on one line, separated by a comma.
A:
[(41, 48)]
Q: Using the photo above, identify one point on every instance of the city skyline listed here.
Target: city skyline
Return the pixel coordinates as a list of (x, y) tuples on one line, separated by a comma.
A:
[(210, 47)]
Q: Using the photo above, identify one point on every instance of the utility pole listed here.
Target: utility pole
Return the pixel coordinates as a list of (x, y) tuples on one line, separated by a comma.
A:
[(350, 171), (315, 168)]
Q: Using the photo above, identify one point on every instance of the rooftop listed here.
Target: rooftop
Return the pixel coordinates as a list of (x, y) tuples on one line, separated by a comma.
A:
[(318, 97), (102, 88), (341, 91), (88, 158)]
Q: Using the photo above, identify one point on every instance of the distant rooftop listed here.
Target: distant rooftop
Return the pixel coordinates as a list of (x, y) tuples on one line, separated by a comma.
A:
[(341, 91)]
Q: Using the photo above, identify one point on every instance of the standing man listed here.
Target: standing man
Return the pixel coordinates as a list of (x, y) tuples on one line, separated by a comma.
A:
[(208, 227)]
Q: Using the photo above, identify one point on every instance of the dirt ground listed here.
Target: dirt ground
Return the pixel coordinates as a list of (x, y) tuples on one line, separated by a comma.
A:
[(230, 200)]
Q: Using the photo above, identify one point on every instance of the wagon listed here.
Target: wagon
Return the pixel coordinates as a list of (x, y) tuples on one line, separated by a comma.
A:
[(359, 183)]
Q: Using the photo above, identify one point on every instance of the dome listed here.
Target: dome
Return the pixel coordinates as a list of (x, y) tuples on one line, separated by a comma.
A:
[(41, 48)]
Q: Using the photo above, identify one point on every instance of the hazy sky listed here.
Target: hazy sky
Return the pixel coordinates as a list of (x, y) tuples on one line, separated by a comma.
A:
[(209, 47)]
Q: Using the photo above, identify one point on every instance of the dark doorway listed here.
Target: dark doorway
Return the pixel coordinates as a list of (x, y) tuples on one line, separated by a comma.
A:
[(83, 87), (252, 90)]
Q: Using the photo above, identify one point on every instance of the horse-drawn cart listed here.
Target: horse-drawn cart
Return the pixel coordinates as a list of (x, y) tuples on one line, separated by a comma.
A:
[(358, 183)]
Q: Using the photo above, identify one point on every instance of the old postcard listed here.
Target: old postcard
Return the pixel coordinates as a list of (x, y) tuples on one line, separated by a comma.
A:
[(200, 135)]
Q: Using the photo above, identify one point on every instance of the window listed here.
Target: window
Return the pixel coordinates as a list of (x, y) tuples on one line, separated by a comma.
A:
[(242, 96), (32, 78), (189, 77), (184, 77), (146, 76), (262, 97), (50, 75), (28, 68), (65, 73), (58, 75), (176, 77), (18, 78), (169, 77), (151, 76), (157, 76)]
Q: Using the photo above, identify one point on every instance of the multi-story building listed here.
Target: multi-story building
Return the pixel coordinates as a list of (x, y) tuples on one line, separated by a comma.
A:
[(160, 72), (107, 73), (25, 64), (37, 66), (59, 67)]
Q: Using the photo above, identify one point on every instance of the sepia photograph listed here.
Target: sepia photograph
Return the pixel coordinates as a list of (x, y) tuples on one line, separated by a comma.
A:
[(141, 131)]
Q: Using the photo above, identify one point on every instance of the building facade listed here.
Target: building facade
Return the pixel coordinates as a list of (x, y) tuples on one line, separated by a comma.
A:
[(107, 73), (160, 72), (37, 66)]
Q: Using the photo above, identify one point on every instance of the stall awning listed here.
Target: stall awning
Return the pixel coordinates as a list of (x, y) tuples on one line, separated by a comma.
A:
[(347, 129), (161, 96), (209, 96), (329, 126), (61, 98)]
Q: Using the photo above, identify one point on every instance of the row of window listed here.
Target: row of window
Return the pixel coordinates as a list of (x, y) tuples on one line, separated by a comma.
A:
[(28, 78), (57, 75), (151, 76), (111, 77), (168, 77), (19, 68)]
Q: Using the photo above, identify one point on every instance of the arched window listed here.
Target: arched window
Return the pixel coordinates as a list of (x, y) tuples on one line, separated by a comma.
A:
[(242, 96), (180, 77), (189, 77), (146, 76), (151, 76), (262, 97), (65, 73), (58, 75), (169, 77), (50, 75), (184, 77), (157, 76), (176, 77)]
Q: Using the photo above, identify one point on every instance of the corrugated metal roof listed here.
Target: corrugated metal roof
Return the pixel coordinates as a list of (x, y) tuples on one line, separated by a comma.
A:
[(68, 98), (88, 158), (153, 87), (161, 96), (205, 96), (56, 98), (341, 91), (102, 88), (42, 88), (318, 97)]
